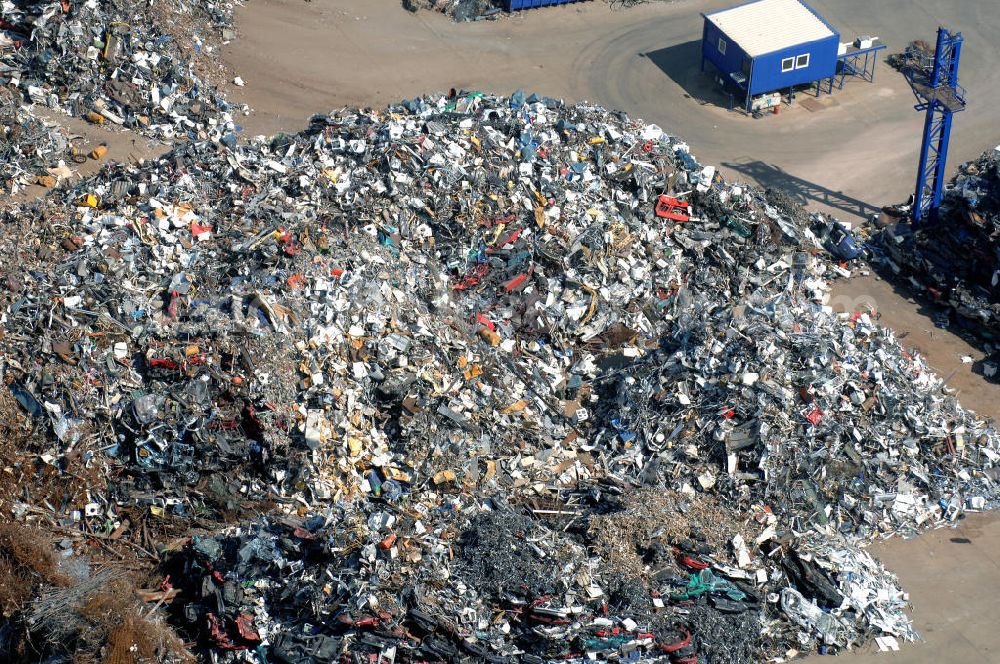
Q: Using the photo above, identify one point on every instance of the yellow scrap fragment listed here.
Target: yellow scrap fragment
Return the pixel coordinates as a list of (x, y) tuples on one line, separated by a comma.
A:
[(397, 474), (515, 407), (445, 477), (490, 336)]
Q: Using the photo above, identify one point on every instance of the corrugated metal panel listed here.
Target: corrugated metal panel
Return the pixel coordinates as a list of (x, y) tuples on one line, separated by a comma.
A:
[(766, 26), (514, 5)]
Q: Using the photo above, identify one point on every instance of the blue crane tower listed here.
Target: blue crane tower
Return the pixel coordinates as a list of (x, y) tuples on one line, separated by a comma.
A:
[(939, 94)]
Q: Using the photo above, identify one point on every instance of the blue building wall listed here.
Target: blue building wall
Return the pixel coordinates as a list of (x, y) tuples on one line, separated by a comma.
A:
[(730, 61), (764, 71), (767, 74)]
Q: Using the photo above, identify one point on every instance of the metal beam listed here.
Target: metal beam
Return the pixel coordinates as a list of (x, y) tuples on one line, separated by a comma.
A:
[(941, 97)]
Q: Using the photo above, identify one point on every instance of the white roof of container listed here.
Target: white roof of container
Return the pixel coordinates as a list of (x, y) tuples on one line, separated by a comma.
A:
[(766, 26)]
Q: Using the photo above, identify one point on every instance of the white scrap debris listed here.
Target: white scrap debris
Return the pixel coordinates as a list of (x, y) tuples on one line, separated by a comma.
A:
[(887, 643)]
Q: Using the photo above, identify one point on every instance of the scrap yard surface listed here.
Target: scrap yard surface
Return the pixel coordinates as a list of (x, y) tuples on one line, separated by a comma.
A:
[(370, 331)]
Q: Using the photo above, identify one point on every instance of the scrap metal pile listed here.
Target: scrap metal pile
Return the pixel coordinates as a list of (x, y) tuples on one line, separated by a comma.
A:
[(29, 148), (956, 259), (460, 10), (150, 67), (917, 59), (477, 10), (478, 378)]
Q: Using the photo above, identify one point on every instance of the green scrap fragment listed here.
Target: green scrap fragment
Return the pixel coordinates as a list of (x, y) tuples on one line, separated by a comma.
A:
[(706, 582)]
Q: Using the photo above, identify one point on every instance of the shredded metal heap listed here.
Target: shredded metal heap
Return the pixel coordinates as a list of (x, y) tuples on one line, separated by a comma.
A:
[(432, 348), (956, 260), (146, 66)]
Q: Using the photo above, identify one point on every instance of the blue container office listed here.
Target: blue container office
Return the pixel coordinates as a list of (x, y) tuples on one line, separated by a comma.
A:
[(769, 46), (514, 5)]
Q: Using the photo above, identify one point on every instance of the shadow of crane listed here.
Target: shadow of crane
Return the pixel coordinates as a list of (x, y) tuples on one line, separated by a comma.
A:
[(802, 191)]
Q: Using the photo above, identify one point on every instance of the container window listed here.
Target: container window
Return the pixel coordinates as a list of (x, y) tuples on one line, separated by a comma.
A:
[(788, 64), (802, 61), (722, 46)]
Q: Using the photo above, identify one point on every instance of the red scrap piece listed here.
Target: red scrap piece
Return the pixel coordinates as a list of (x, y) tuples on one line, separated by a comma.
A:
[(367, 621), (291, 245), (172, 307), (244, 625), (473, 277), (674, 647), (251, 413), (219, 635), (668, 207), (514, 283), (512, 238), (483, 320), (687, 561), (814, 416)]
